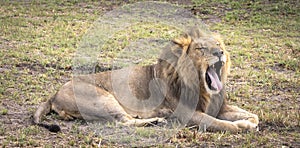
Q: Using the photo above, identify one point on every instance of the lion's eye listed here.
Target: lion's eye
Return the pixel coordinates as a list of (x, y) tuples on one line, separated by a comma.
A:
[(218, 43)]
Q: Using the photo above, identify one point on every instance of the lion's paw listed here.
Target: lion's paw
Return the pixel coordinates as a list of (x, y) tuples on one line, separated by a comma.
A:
[(246, 125), (159, 121), (253, 119)]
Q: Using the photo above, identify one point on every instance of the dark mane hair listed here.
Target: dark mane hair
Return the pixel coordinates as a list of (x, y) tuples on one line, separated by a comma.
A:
[(182, 77), (180, 73)]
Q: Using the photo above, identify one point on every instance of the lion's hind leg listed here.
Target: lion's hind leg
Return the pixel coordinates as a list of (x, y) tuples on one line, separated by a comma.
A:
[(143, 122), (99, 104)]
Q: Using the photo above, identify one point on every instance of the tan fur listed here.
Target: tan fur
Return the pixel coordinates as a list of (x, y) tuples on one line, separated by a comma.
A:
[(181, 67)]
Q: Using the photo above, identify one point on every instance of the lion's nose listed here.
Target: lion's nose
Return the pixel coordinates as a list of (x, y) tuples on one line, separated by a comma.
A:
[(218, 52)]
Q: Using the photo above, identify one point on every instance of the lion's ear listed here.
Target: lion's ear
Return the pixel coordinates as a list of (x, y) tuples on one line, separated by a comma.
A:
[(183, 41), (219, 39)]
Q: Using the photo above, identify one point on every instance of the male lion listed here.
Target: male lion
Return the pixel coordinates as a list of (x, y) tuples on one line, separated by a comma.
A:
[(191, 73)]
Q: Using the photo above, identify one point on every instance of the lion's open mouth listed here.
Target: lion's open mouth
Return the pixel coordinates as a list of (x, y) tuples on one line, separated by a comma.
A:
[(212, 77)]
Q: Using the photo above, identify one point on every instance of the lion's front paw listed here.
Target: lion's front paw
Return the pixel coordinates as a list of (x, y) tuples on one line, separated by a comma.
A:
[(246, 125)]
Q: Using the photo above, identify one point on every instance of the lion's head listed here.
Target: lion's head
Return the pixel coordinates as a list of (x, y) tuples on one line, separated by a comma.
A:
[(207, 54)]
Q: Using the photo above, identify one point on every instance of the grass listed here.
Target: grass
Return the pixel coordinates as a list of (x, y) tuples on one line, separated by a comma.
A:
[(38, 40)]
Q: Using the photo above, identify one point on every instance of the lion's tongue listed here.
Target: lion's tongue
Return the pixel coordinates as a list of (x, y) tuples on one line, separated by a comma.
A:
[(215, 82)]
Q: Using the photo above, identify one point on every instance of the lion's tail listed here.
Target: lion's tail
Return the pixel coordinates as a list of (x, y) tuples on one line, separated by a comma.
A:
[(42, 110)]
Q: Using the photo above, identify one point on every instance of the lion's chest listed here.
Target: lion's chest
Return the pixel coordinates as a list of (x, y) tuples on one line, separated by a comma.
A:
[(215, 104)]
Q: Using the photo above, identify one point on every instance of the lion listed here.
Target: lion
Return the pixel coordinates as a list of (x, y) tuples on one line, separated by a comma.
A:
[(190, 73)]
